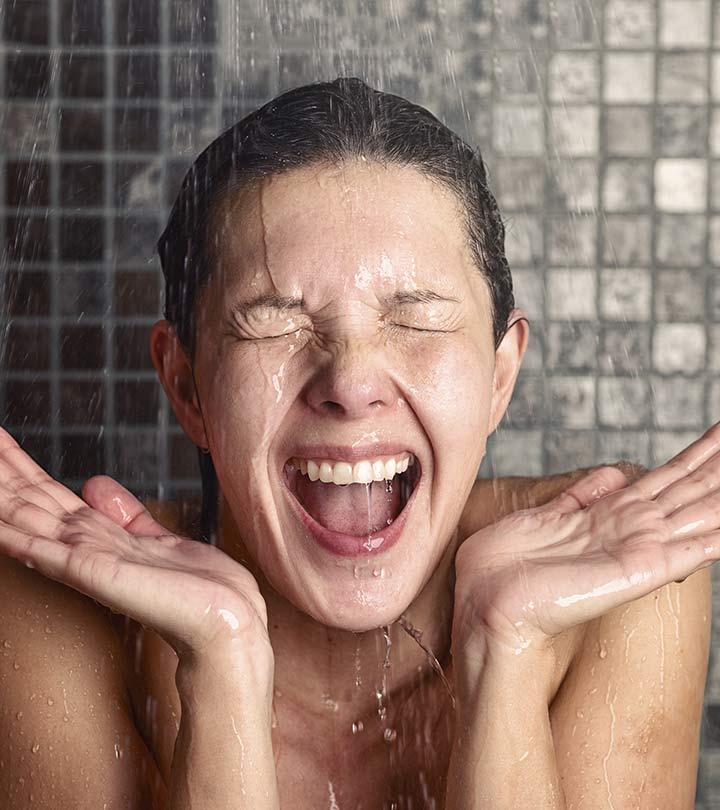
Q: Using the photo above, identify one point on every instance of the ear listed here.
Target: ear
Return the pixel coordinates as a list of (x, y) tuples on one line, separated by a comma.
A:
[(508, 359), (173, 367)]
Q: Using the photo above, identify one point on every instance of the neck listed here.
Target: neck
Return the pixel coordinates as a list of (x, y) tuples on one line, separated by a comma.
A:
[(343, 677)]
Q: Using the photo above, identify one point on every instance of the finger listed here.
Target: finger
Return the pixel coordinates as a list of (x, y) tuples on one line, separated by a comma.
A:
[(588, 489), (685, 462), (687, 555), (26, 516), (119, 504), (696, 486), (697, 518), (16, 466)]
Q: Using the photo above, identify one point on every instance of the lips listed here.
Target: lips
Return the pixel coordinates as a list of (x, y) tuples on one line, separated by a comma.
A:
[(352, 506)]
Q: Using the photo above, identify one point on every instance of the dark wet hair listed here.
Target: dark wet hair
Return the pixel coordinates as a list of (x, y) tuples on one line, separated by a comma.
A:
[(322, 123)]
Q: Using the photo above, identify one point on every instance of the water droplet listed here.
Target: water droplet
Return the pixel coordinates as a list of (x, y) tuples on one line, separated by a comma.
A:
[(50, 702), (378, 572), (16, 666), (602, 651), (7, 644), (118, 752), (579, 713), (19, 715), (35, 748), (358, 727), (390, 734), (48, 629)]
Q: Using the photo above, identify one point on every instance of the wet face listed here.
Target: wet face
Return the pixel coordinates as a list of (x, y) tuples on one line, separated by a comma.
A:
[(346, 336)]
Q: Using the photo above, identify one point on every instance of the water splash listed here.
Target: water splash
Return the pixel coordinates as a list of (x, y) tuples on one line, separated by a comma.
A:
[(416, 634)]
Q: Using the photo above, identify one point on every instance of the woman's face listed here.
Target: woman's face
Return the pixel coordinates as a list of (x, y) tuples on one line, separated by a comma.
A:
[(345, 322)]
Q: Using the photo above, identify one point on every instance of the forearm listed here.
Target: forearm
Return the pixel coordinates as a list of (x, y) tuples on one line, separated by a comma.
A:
[(223, 754), (503, 754)]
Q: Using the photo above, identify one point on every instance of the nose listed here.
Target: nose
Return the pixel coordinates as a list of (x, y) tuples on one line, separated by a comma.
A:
[(351, 382)]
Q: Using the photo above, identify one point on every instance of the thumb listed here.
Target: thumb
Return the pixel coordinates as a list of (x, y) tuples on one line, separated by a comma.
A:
[(595, 485), (119, 504)]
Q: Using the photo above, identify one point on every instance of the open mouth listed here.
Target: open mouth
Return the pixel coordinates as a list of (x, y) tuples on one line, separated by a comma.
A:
[(356, 500)]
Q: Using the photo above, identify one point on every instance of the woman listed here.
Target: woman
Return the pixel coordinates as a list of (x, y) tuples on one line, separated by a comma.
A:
[(340, 339)]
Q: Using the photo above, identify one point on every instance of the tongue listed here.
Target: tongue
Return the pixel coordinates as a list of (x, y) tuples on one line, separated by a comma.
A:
[(356, 509)]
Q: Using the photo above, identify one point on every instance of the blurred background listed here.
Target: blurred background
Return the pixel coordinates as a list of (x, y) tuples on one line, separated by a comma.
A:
[(600, 124)]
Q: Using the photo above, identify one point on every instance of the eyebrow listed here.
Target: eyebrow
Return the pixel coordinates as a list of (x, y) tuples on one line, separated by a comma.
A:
[(284, 302)]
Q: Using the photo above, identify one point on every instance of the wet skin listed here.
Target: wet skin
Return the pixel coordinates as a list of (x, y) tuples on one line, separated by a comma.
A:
[(349, 368)]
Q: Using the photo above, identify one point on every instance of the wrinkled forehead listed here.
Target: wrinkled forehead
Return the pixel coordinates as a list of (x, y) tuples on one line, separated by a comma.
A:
[(388, 221)]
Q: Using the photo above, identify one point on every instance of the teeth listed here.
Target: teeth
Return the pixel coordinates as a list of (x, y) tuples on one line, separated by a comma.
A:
[(362, 472)]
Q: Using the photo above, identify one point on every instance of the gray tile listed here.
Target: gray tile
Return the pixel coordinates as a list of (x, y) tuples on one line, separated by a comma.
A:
[(679, 348), (519, 183), (567, 450), (571, 293), (572, 346), (629, 130), (573, 77), (624, 349), (629, 23), (518, 130), (571, 402), (616, 69), (625, 294), (572, 240), (523, 240), (529, 289), (574, 130), (623, 402), (572, 184), (678, 402), (682, 78), (679, 295), (627, 185), (682, 131), (527, 406), (685, 23), (516, 452), (626, 240), (623, 445), (680, 240)]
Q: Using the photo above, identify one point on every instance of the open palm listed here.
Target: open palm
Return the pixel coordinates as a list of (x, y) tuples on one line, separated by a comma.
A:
[(600, 544), (109, 547)]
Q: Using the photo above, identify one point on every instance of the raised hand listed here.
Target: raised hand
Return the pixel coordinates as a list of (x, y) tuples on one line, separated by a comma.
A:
[(194, 595), (600, 544)]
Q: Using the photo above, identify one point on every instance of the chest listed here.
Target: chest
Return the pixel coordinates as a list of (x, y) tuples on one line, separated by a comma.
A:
[(398, 761)]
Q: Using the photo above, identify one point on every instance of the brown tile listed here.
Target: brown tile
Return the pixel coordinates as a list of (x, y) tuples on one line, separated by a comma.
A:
[(136, 129), (27, 183), (82, 76), (137, 75), (81, 456), (81, 22), (82, 293), (28, 347), (27, 238), (137, 402), (82, 184), (82, 130), (82, 347), (81, 238), (136, 293), (27, 75), (132, 348), (27, 402), (137, 22), (26, 21), (28, 293), (82, 402)]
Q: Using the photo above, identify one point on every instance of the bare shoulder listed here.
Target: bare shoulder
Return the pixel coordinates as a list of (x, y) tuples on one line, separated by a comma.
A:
[(630, 706)]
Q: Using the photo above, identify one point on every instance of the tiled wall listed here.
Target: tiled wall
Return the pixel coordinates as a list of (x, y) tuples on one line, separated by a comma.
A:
[(600, 123)]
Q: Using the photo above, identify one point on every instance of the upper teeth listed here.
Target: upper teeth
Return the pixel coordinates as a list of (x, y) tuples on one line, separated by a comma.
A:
[(362, 472)]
